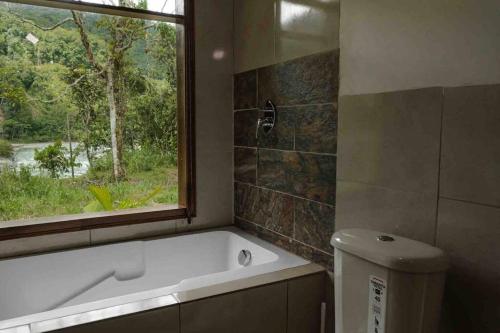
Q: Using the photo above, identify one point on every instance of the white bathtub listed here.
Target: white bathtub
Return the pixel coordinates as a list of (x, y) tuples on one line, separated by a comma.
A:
[(49, 286)]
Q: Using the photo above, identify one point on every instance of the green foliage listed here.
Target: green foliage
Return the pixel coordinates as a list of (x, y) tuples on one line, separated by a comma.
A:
[(53, 159), (6, 149), (104, 200), (23, 195), (44, 86)]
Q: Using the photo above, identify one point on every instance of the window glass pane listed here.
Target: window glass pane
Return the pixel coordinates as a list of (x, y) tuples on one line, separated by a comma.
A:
[(159, 6), (88, 112)]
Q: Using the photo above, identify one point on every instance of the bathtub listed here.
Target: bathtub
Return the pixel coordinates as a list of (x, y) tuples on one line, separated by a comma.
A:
[(126, 277)]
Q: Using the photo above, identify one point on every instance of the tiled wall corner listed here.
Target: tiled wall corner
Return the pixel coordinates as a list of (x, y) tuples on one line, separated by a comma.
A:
[(285, 180)]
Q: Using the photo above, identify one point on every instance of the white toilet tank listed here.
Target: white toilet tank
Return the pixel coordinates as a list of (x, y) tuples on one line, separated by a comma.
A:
[(386, 283)]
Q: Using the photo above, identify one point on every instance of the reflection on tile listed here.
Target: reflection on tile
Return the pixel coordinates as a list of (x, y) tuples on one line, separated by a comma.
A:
[(471, 141), (245, 165), (306, 175), (261, 309), (164, 320), (314, 224), (214, 77), (391, 139), (469, 234), (316, 128), (305, 296), (308, 80), (39, 244), (264, 207), (134, 231), (253, 34), (245, 124), (245, 90), (305, 27), (408, 214), (282, 135)]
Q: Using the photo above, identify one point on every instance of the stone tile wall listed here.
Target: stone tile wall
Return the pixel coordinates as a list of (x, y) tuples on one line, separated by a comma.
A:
[(285, 180)]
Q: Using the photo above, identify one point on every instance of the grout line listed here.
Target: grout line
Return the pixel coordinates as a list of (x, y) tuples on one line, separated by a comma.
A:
[(241, 110), (470, 202), (380, 186), (440, 150), (289, 106), (294, 218), (296, 151), (283, 108), (257, 165), (287, 151), (245, 147), (284, 193), (257, 88)]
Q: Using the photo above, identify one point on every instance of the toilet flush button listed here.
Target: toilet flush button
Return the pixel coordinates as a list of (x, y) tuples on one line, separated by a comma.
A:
[(385, 238)]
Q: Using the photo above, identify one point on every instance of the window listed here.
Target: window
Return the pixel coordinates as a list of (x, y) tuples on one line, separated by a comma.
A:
[(96, 114)]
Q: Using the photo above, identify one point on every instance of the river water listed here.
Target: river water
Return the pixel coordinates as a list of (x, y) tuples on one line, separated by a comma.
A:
[(24, 155)]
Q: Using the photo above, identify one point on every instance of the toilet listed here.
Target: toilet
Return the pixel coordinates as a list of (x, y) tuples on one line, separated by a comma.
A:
[(386, 283)]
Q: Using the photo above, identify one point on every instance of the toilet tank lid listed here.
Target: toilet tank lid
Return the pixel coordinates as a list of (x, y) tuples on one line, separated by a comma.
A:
[(391, 251)]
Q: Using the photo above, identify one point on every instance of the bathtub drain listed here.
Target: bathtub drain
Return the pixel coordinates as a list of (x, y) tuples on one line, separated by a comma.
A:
[(245, 257)]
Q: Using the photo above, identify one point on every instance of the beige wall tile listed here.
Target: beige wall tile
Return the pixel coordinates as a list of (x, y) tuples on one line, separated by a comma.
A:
[(305, 296), (391, 139), (408, 214), (214, 75), (470, 168), (214, 113), (389, 45), (32, 245), (469, 234), (305, 27), (260, 310), (135, 231), (214, 189), (253, 34), (165, 320)]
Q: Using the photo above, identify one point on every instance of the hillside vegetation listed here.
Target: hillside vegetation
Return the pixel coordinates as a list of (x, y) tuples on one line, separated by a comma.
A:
[(107, 83)]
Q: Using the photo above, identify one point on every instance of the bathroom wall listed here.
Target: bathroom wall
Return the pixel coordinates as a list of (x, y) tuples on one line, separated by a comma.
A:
[(418, 138), (214, 149), (286, 51)]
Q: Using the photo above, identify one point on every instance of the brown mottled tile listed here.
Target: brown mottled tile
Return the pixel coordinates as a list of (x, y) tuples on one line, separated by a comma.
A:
[(245, 124), (245, 90), (314, 224), (302, 250), (314, 255), (308, 80), (311, 176), (245, 164), (316, 128), (282, 135), (267, 235), (267, 208)]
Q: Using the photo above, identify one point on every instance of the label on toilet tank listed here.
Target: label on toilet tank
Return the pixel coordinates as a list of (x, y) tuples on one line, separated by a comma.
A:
[(376, 304)]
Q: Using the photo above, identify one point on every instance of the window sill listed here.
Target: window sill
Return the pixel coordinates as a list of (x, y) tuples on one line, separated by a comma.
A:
[(67, 223)]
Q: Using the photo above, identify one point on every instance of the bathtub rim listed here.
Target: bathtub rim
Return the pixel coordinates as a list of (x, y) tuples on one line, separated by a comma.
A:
[(54, 319)]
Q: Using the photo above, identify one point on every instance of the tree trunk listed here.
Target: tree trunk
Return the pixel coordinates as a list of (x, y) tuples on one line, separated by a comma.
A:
[(116, 123)]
